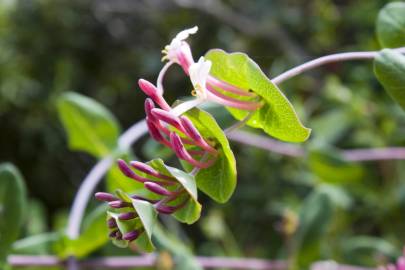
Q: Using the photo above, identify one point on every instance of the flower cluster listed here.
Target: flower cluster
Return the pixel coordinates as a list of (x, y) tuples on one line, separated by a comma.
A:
[(163, 189), (400, 265)]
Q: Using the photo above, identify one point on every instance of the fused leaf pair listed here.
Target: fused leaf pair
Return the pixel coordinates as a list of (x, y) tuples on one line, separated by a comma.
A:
[(132, 217)]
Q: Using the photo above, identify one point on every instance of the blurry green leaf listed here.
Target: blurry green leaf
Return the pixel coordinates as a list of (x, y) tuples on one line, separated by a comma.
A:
[(314, 217), (39, 244), (12, 205), (389, 67), (148, 216), (277, 116), (94, 235), (338, 196), (364, 250), (330, 167), (391, 25), (36, 218), (219, 180), (182, 256), (330, 126), (89, 125)]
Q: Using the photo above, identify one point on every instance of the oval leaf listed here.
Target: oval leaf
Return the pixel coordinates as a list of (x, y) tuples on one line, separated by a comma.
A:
[(391, 25), (277, 116), (219, 180), (89, 125), (12, 205), (389, 67)]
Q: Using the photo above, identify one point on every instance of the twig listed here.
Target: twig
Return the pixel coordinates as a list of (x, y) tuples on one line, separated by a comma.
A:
[(338, 57), (292, 150), (146, 261), (150, 260)]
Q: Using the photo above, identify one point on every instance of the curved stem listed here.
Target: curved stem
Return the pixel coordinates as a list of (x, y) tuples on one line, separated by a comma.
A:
[(161, 76), (338, 57), (292, 150)]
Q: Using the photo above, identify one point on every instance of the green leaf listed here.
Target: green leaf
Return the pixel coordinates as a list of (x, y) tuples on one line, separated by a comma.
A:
[(219, 180), (146, 220), (12, 205), (93, 236), (314, 217), (363, 250), (389, 67), (391, 25), (191, 212), (88, 124), (183, 257), (328, 164), (277, 116)]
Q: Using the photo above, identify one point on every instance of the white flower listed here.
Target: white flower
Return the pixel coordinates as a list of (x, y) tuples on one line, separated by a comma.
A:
[(199, 73), (171, 51)]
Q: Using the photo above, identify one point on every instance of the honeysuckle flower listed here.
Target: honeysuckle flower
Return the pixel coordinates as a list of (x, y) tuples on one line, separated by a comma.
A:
[(205, 85), (178, 51), (199, 73)]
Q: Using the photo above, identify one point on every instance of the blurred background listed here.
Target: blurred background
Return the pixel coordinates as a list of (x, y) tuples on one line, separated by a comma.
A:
[(100, 48)]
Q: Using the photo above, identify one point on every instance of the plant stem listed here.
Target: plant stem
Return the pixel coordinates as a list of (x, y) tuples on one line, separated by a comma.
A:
[(338, 57), (293, 150)]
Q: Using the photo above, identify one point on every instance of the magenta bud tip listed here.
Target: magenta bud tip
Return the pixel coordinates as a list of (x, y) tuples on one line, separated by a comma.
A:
[(104, 196), (156, 188), (111, 223), (127, 216), (125, 169), (119, 204), (131, 236)]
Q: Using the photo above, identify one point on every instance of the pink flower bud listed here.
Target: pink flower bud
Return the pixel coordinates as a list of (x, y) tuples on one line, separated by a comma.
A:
[(125, 169), (181, 152), (119, 204), (167, 117), (127, 216), (158, 189), (149, 105), (111, 223), (178, 146), (104, 196), (151, 90), (113, 234), (131, 236), (148, 170), (166, 209)]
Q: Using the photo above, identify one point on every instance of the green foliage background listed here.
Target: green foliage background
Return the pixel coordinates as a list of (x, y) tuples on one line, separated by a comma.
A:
[(283, 207)]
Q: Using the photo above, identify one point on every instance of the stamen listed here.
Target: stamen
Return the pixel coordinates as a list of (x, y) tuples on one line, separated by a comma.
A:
[(220, 98), (213, 81)]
